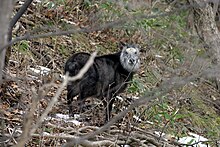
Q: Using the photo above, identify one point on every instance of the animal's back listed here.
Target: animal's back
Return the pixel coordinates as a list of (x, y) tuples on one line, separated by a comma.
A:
[(101, 78)]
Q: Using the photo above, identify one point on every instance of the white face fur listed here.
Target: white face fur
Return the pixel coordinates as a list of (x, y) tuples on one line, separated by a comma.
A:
[(129, 58)]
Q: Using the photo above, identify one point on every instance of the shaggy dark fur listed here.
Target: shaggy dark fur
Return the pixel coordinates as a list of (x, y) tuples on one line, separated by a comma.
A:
[(107, 77)]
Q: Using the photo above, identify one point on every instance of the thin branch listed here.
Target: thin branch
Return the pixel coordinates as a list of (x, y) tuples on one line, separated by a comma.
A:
[(20, 13), (59, 91), (196, 143), (12, 23), (29, 120), (86, 143), (173, 83), (27, 132), (98, 27), (168, 86)]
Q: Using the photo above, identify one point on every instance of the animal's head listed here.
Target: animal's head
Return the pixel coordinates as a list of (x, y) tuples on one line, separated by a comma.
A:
[(129, 57)]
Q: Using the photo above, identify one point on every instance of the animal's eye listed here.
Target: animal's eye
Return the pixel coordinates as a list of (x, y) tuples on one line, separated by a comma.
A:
[(126, 52)]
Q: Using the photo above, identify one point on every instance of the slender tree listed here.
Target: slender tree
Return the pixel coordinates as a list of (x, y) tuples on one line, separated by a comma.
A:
[(204, 21), (14, 20), (5, 13), (6, 31)]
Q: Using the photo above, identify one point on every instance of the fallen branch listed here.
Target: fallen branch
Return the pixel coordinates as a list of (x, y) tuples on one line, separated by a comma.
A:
[(86, 143), (27, 132)]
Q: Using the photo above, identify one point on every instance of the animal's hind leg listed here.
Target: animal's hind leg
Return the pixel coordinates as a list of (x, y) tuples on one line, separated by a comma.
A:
[(80, 102), (82, 97)]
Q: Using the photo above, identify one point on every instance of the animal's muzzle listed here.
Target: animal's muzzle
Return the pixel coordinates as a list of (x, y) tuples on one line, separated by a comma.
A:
[(131, 61)]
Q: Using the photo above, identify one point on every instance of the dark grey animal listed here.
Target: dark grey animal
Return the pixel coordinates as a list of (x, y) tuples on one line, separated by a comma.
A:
[(108, 76)]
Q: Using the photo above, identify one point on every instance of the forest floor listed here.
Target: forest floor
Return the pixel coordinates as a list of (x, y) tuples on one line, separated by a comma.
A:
[(35, 72)]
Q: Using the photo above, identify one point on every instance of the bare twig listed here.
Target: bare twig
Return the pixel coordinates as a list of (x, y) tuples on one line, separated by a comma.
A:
[(14, 20), (88, 128), (63, 85), (57, 136), (98, 27), (171, 84), (20, 13), (86, 143), (29, 120), (196, 143), (167, 123), (60, 127), (27, 132)]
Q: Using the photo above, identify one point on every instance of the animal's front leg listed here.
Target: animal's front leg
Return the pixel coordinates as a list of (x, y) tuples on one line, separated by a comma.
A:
[(80, 102), (70, 96), (107, 114)]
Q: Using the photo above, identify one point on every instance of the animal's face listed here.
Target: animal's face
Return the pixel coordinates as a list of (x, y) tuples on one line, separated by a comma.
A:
[(129, 58)]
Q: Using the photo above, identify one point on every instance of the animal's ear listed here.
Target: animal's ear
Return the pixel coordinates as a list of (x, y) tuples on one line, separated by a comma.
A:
[(121, 45), (137, 46)]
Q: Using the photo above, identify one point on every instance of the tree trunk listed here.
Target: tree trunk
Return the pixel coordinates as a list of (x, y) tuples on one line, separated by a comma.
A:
[(14, 20), (205, 25), (5, 14)]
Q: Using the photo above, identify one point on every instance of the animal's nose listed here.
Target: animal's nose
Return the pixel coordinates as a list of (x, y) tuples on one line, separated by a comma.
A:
[(131, 61)]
